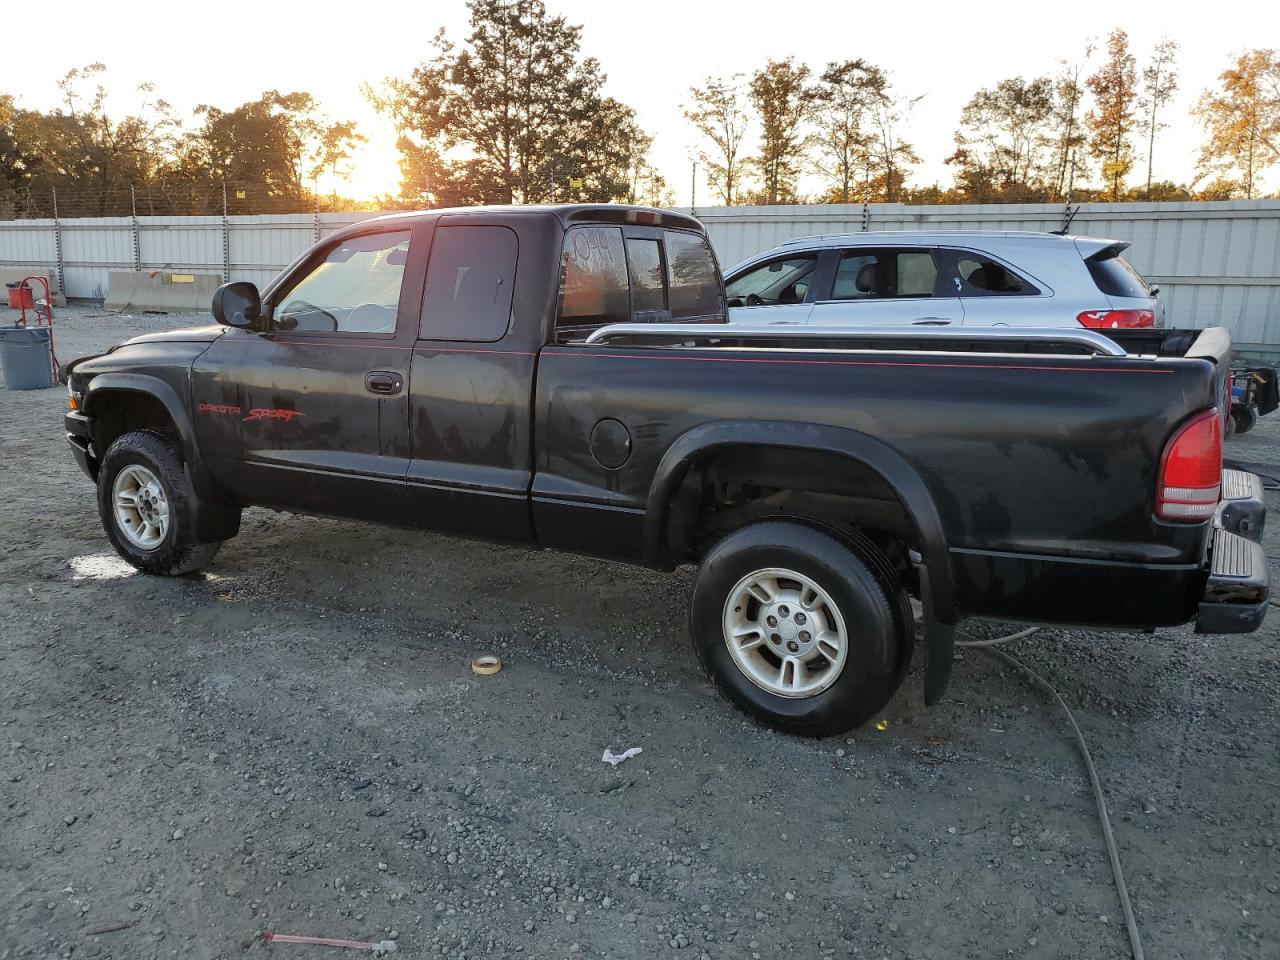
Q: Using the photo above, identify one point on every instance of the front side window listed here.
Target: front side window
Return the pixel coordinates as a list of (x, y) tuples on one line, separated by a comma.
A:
[(470, 277), (878, 274), (355, 289), (778, 281), (979, 276)]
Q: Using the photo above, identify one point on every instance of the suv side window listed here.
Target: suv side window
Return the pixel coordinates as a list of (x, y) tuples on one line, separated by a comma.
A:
[(786, 280), (354, 289), (877, 274), (980, 276), (470, 277)]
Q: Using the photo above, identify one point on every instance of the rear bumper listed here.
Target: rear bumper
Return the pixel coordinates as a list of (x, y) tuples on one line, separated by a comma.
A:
[(1239, 581), (80, 438)]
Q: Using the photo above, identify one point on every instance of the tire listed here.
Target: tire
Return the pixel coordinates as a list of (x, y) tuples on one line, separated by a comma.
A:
[(157, 535), (833, 692), (1244, 417)]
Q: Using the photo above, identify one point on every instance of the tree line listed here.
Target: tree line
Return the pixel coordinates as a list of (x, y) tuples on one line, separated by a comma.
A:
[(516, 113), (1074, 134)]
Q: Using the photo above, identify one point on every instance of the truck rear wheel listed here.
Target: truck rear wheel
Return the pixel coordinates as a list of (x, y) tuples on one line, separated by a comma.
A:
[(148, 507), (795, 630)]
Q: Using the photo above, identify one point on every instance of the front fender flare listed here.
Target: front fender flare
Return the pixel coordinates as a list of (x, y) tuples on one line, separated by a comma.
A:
[(155, 387), (937, 581)]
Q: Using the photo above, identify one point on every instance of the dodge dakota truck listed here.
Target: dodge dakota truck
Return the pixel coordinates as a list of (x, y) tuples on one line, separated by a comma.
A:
[(564, 376)]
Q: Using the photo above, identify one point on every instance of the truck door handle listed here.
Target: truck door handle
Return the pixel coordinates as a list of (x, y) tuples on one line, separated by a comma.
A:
[(931, 322), (384, 383)]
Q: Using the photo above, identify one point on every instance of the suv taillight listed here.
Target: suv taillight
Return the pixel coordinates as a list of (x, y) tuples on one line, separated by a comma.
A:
[(1191, 470), (1111, 319)]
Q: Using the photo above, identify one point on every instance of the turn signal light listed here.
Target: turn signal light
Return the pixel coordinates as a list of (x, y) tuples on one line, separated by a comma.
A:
[(1113, 319), (1191, 470)]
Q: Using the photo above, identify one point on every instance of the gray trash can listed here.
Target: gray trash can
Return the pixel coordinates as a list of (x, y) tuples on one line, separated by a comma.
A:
[(26, 356)]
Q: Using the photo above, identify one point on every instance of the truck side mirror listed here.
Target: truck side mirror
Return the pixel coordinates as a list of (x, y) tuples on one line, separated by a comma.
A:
[(237, 304)]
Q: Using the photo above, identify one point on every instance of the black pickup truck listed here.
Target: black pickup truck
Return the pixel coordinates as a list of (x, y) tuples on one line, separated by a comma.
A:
[(563, 376)]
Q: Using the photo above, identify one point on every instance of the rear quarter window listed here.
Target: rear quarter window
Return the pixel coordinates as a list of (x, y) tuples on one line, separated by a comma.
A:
[(1116, 277), (695, 288)]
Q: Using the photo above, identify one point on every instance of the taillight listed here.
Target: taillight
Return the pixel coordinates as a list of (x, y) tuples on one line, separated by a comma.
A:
[(1191, 470), (1112, 319)]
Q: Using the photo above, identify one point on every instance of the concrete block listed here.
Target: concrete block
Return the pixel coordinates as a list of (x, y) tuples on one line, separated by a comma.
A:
[(160, 290), (14, 274)]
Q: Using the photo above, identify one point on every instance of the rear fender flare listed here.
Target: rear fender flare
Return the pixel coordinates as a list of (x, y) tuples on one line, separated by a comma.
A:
[(937, 581)]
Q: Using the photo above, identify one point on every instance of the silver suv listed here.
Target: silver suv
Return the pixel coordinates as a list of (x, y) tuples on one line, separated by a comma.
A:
[(972, 278)]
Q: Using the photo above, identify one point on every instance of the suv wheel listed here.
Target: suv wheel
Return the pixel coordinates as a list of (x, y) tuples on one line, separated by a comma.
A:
[(795, 630), (148, 507)]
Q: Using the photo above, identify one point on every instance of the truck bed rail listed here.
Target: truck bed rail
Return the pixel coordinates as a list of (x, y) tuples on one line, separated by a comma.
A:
[(1019, 338)]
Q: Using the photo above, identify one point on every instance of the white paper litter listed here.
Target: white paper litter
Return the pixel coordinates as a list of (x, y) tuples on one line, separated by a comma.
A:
[(613, 759)]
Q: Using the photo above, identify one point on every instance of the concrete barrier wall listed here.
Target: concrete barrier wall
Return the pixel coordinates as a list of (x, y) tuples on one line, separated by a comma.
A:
[(160, 290)]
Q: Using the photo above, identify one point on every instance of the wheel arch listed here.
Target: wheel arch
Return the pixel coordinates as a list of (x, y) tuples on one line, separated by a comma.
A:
[(148, 395), (937, 584), (896, 472)]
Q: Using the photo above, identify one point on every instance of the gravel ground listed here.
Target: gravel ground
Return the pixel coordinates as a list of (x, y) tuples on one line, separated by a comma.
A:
[(294, 741)]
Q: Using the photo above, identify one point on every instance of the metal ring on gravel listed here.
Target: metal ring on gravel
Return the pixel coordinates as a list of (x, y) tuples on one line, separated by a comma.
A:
[(785, 633), (141, 507), (486, 666)]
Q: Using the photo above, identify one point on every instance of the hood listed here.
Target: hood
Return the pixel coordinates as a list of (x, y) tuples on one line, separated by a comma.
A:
[(190, 335)]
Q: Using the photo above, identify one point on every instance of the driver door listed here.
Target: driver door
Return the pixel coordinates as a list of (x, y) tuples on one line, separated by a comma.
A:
[(312, 412)]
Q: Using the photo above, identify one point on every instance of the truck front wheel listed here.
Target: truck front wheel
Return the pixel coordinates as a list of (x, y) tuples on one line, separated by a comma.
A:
[(148, 507), (795, 630)]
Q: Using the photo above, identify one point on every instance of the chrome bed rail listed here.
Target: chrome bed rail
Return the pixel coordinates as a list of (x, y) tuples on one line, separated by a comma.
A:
[(1094, 342)]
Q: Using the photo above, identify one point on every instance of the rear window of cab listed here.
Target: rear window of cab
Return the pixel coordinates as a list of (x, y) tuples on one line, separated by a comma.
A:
[(665, 276)]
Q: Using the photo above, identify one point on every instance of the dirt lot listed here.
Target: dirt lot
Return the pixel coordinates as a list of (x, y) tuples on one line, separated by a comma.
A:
[(294, 741)]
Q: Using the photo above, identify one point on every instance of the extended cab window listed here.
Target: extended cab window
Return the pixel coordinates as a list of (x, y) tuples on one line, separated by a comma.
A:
[(872, 274), (691, 273), (355, 289), (469, 283), (648, 282), (643, 279), (594, 288), (778, 281), (979, 276)]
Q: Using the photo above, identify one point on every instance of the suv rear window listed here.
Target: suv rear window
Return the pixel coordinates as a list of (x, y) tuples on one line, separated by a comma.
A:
[(606, 279), (1116, 277)]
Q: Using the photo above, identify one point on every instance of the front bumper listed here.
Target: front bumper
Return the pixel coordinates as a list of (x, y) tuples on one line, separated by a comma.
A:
[(1239, 581), (80, 438)]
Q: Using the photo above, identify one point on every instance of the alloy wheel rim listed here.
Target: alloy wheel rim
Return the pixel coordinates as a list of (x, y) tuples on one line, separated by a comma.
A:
[(140, 506), (785, 633)]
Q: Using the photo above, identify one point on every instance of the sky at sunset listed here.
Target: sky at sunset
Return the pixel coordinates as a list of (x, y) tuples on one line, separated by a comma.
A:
[(652, 52)]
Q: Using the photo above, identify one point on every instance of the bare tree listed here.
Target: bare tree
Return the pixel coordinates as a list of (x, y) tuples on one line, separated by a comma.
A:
[(1159, 83), (718, 110)]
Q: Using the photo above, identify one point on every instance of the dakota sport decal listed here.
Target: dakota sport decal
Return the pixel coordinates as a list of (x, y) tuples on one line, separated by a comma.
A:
[(262, 413)]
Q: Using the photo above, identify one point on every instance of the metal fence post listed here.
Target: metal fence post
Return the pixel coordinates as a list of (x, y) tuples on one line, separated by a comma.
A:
[(57, 243), (316, 220), (133, 222), (226, 238)]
